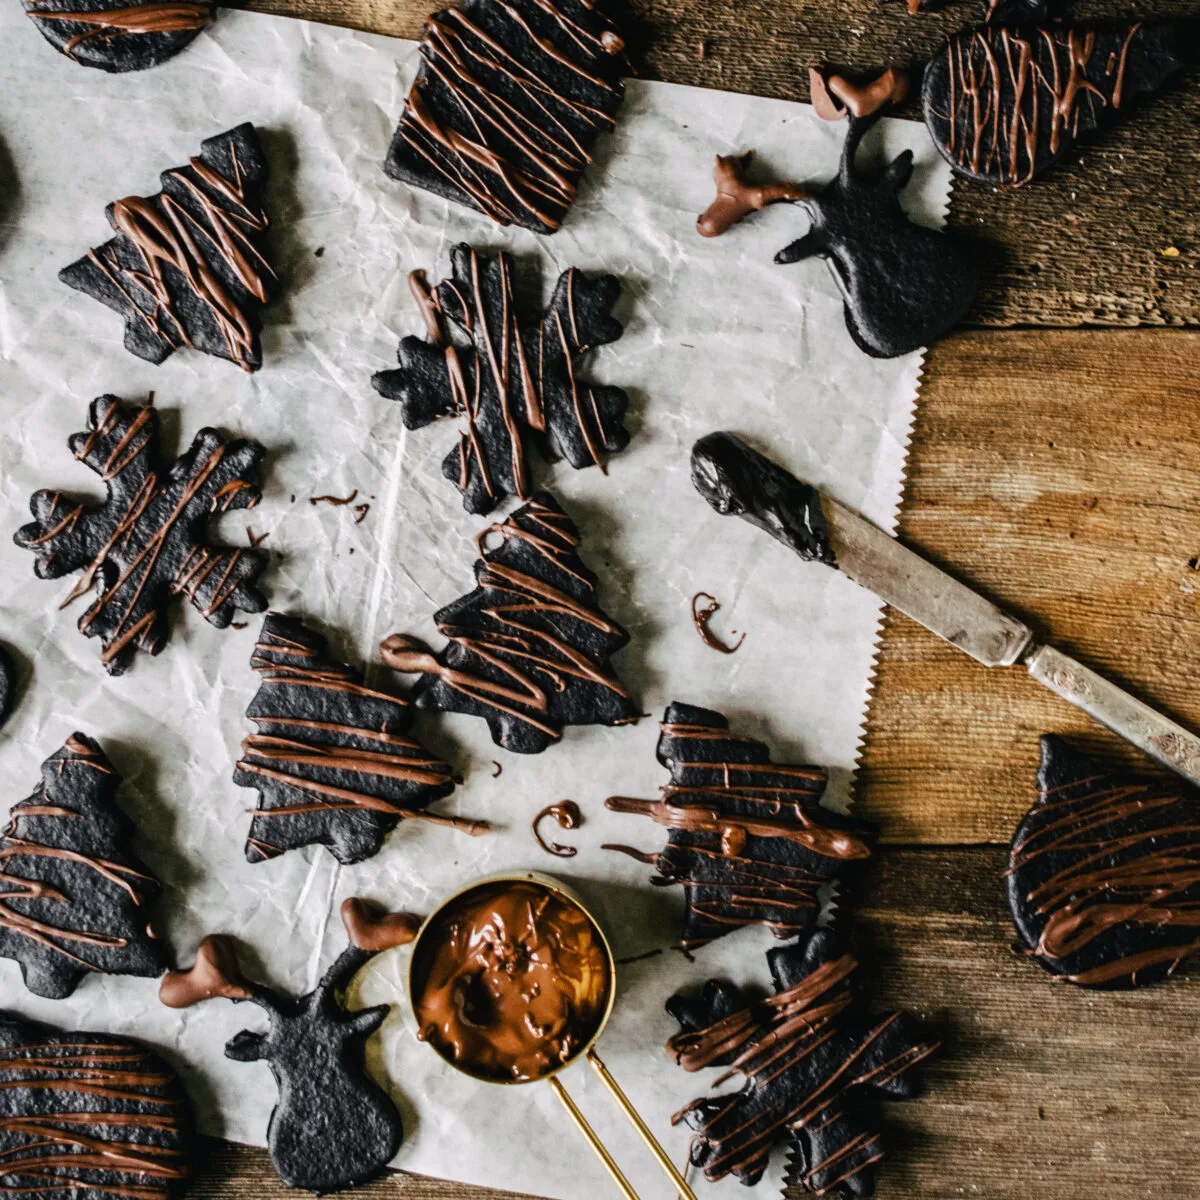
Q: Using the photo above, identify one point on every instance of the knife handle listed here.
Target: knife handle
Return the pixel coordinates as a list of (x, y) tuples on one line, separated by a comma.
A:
[(1137, 723)]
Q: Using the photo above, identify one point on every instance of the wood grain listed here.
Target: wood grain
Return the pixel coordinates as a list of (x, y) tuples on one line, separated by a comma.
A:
[(1059, 473), (1082, 247)]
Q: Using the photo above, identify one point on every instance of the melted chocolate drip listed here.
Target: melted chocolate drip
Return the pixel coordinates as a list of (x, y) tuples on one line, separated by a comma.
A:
[(808, 1061), (748, 838), (1004, 103), (140, 548), (509, 101), (88, 1114), (332, 760), (568, 816), (516, 382), (834, 96), (73, 897), (371, 927), (189, 265), (1104, 872), (528, 650), (704, 612)]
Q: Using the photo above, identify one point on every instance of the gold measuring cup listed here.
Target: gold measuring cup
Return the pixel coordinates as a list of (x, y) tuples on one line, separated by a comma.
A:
[(417, 978)]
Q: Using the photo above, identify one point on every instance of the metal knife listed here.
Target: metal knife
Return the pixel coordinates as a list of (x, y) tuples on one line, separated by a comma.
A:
[(737, 480)]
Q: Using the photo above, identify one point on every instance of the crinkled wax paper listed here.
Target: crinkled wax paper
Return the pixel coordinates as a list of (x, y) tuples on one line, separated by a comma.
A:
[(716, 337)]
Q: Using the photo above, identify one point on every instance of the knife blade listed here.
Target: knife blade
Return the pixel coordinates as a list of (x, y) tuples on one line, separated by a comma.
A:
[(736, 480)]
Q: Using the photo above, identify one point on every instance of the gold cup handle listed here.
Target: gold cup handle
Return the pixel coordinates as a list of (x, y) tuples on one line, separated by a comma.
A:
[(593, 1140)]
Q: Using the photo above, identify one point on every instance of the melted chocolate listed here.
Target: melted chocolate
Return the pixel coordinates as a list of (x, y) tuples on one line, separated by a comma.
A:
[(213, 974), (510, 981), (748, 838), (737, 197), (510, 98), (702, 614), (835, 96), (189, 265), (528, 650), (516, 382), (371, 927), (568, 816), (140, 548), (332, 760), (1004, 103), (88, 1114), (1104, 872), (808, 1062)]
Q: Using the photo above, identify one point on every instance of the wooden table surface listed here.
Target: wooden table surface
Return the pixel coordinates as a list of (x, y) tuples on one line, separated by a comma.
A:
[(1056, 465)]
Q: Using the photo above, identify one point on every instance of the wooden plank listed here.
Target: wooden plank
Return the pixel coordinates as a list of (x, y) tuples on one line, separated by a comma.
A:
[(1059, 472), (1082, 247)]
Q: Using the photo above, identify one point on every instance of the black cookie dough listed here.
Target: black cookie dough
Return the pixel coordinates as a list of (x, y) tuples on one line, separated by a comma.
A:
[(507, 106), (142, 546), (190, 265), (73, 897), (332, 760), (748, 838), (1003, 103), (8, 685), (88, 1115), (1104, 872), (120, 35), (528, 650), (515, 386), (810, 1062)]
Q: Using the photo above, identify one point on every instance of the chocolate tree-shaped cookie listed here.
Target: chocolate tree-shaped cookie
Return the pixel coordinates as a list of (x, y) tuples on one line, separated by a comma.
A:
[(515, 384), (1004, 102), (528, 650), (88, 1115), (332, 759), (1104, 872), (904, 285), (509, 101), (142, 546), (73, 897), (189, 266), (747, 837), (120, 35), (811, 1063), (333, 1125)]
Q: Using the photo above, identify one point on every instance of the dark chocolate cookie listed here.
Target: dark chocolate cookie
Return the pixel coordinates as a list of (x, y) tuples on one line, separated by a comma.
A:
[(747, 837), (810, 1063), (86, 1115), (516, 383), (143, 545), (1104, 872), (189, 266), (507, 105), (74, 897), (332, 759), (1003, 103), (333, 1125), (8, 685), (528, 650), (120, 35)]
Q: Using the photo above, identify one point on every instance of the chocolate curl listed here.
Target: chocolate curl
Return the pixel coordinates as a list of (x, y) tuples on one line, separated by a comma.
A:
[(833, 96), (214, 973), (737, 197), (372, 928)]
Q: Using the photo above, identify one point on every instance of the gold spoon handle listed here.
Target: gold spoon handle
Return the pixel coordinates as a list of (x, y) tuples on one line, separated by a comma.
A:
[(596, 1144), (636, 1121)]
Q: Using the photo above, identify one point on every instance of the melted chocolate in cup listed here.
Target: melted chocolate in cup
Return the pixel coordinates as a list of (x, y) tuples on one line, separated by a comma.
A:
[(510, 981)]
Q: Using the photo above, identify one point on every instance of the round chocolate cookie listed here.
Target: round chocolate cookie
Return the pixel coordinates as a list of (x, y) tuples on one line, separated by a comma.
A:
[(120, 35), (1104, 872)]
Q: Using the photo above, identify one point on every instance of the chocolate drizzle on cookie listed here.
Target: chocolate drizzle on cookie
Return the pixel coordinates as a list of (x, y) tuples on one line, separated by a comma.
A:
[(747, 837), (88, 1114), (189, 265), (331, 760), (1004, 103), (73, 897), (515, 382), (119, 37), (509, 101), (1104, 872), (140, 548), (528, 650), (808, 1060)]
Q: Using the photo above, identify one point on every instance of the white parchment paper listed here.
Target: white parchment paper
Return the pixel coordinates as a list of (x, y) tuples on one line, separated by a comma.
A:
[(716, 337)]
